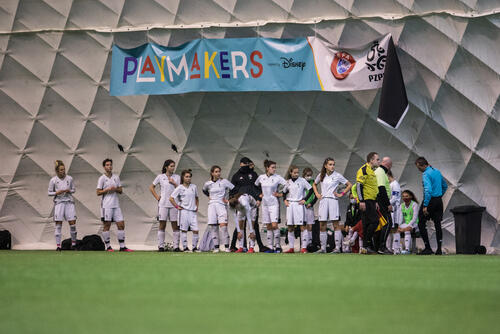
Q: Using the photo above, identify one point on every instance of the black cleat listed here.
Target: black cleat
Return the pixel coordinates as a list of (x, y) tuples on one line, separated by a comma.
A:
[(178, 250), (161, 249), (426, 251), (384, 251), (58, 249), (125, 249), (439, 252), (370, 251)]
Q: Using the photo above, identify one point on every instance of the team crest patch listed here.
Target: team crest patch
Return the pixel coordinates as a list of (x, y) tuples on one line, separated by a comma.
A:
[(342, 65)]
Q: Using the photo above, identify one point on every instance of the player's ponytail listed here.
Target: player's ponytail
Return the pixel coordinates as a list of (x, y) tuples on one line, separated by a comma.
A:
[(323, 169), (166, 164), (268, 163), (58, 163), (306, 171), (289, 172), (233, 201), (411, 194), (184, 172), (212, 170)]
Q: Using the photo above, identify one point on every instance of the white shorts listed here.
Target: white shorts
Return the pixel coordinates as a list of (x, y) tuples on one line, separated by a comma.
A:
[(167, 214), (270, 214), (241, 215), (188, 220), (111, 215), (217, 213), (295, 214), (309, 216), (328, 209), (64, 211)]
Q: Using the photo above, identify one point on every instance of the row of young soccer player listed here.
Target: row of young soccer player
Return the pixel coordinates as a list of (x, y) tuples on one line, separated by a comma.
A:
[(178, 203)]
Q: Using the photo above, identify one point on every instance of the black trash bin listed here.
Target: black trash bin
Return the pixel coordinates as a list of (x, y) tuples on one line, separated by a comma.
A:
[(467, 227)]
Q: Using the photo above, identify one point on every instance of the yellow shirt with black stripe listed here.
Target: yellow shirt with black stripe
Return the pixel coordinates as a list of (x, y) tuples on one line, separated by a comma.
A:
[(366, 183)]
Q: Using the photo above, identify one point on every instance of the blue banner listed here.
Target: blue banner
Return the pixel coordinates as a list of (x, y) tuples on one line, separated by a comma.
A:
[(214, 65)]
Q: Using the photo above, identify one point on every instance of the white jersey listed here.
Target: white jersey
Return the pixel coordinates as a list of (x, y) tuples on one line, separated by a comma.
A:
[(166, 188), (218, 190), (330, 183), (109, 200), (395, 194), (296, 190), (396, 202), (269, 186), (57, 184), (186, 196)]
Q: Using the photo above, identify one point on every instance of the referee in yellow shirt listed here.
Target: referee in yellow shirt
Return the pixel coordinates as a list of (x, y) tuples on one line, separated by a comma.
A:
[(367, 190)]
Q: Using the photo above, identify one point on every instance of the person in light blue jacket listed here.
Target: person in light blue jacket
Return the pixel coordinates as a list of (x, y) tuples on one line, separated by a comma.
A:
[(432, 205)]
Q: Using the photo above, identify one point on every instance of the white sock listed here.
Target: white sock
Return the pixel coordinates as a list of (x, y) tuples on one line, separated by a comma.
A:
[(176, 235), (194, 240), (57, 234), (72, 232), (215, 235), (277, 238), (251, 243), (322, 239), (303, 238), (161, 239), (240, 242), (338, 239), (106, 238), (408, 240), (355, 236), (225, 235), (184, 238), (121, 238), (349, 234), (396, 241), (309, 237), (270, 239), (360, 243), (291, 240)]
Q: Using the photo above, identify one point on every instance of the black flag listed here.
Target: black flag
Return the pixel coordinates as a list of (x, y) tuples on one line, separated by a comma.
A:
[(393, 101)]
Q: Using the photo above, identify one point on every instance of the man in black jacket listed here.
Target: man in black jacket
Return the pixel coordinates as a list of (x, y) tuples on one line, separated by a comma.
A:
[(244, 182)]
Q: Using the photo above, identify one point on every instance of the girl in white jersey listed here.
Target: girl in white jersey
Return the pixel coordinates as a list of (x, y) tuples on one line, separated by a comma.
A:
[(244, 208), (109, 186), (168, 181), (295, 190), (269, 183), (61, 187), (217, 189), (395, 201), (329, 179), (185, 199)]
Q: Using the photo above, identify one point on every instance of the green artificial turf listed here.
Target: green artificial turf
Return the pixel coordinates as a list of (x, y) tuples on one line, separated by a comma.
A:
[(149, 292)]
